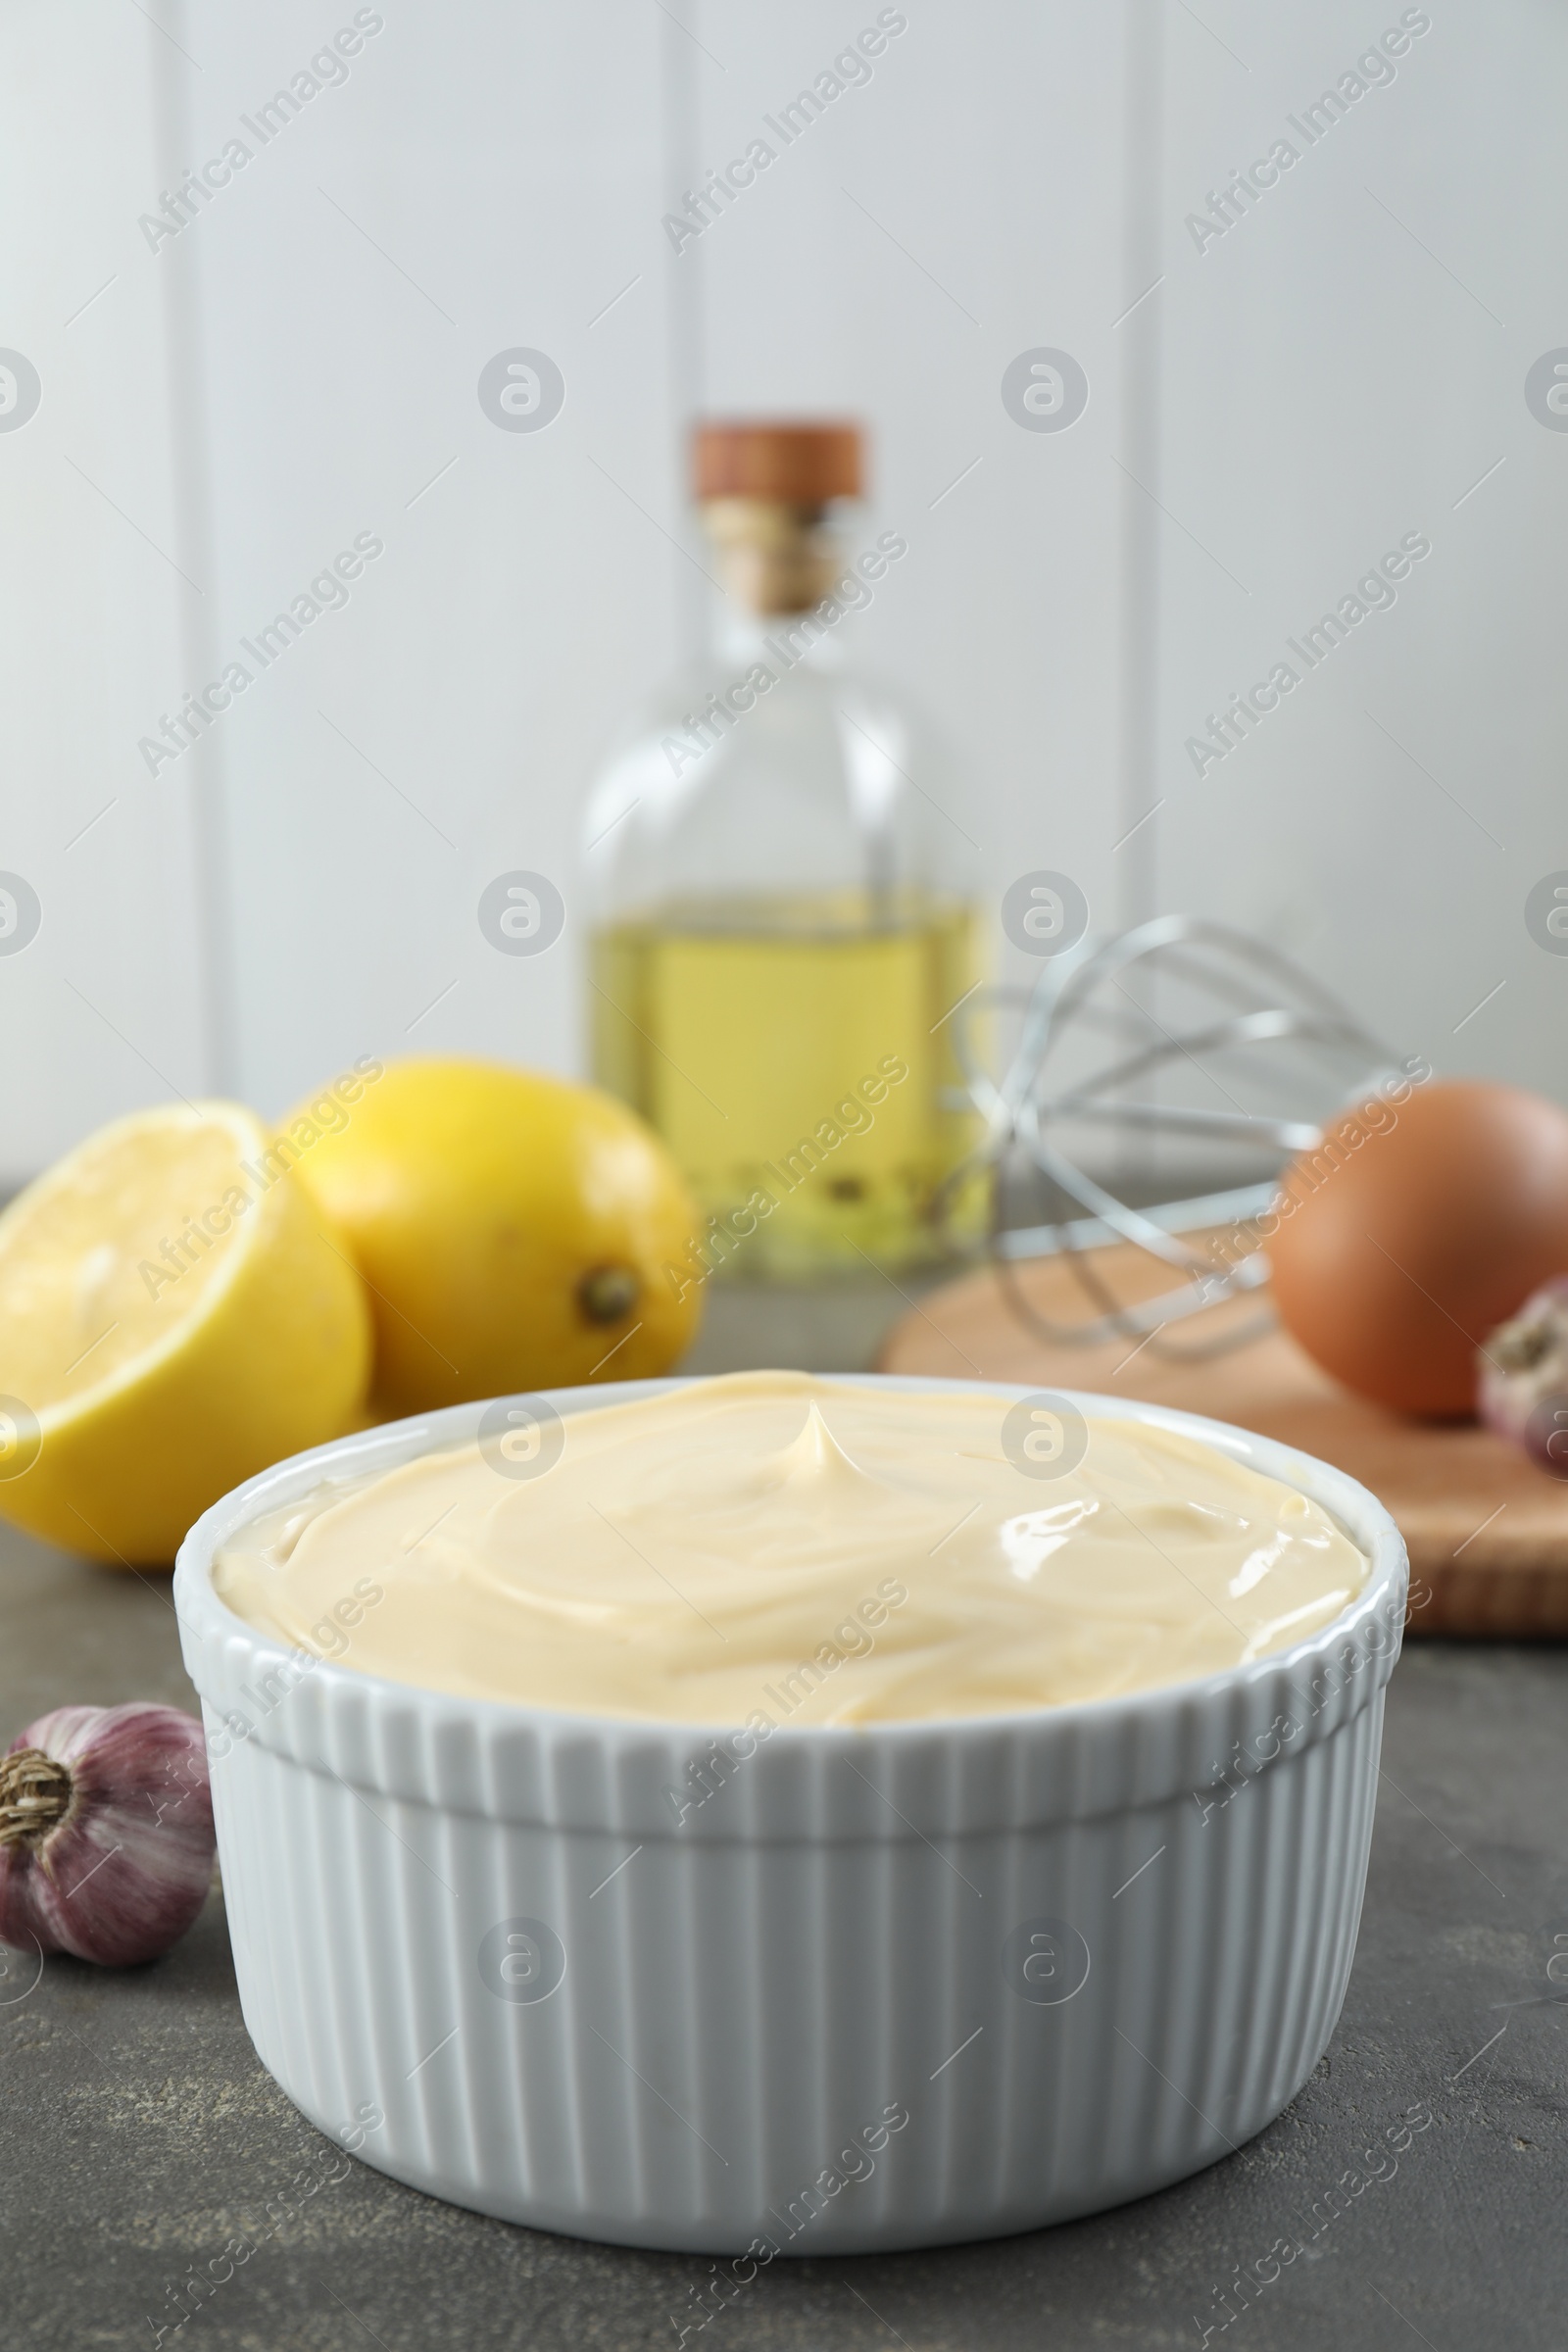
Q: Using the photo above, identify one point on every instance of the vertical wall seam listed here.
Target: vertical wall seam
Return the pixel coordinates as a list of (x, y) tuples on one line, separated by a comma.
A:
[(685, 311), (190, 473), (1136, 888)]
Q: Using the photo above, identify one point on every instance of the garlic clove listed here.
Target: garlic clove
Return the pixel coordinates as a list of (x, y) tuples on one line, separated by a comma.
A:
[(1522, 1385), (106, 1832)]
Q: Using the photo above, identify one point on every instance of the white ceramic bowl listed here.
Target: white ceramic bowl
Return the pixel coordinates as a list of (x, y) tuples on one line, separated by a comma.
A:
[(889, 1986)]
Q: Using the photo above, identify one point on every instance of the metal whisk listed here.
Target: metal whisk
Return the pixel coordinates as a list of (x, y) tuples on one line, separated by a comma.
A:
[(1249, 1018)]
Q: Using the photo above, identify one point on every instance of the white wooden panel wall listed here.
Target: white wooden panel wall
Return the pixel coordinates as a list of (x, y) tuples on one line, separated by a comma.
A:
[(1345, 364), (1337, 370), (485, 179), (99, 596)]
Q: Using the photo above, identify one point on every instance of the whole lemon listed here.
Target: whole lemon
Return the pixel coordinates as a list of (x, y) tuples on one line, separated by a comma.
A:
[(513, 1231)]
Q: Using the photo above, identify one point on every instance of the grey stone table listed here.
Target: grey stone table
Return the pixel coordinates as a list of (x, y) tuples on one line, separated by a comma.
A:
[(142, 2134)]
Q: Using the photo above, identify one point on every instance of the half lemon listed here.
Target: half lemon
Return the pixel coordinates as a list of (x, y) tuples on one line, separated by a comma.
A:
[(174, 1317)]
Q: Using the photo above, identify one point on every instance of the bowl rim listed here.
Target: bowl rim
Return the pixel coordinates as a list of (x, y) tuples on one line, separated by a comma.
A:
[(203, 1616)]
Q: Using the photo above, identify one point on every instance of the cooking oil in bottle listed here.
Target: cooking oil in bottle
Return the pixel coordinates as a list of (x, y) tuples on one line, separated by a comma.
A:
[(785, 935)]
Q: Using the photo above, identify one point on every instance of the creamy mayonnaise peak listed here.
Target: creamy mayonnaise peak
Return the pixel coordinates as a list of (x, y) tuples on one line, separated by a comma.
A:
[(773, 1546)]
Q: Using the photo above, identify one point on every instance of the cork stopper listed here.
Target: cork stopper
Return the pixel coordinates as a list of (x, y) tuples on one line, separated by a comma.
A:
[(766, 488), (798, 464)]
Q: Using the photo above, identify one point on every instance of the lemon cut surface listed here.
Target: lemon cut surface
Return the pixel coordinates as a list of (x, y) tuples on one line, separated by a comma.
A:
[(175, 1315)]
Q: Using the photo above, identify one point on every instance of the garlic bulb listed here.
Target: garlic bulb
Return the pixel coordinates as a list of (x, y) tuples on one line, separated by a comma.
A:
[(1522, 1391), (106, 1832)]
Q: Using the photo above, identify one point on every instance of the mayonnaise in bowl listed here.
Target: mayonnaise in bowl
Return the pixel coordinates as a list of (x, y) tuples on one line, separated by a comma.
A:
[(769, 1547)]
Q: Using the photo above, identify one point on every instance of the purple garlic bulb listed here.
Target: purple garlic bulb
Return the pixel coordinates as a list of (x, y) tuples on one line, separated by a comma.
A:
[(106, 1833), (1522, 1391)]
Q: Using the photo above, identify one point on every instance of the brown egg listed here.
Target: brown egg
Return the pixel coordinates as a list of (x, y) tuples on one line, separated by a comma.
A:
[(1415, 1230)]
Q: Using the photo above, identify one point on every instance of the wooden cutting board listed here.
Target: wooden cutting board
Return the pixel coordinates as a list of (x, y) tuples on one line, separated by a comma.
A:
[(1487, 1531)]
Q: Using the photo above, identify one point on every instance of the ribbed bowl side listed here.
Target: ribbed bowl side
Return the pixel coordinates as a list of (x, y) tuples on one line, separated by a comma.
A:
[(882, 1987), (832, 2044)]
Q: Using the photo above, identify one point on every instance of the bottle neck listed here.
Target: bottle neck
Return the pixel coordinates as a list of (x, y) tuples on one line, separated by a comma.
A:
[(773, 558), (779, 640)]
